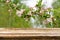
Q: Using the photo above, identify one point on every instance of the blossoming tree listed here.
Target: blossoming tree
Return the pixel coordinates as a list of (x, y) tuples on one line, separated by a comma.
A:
[(16, 13)]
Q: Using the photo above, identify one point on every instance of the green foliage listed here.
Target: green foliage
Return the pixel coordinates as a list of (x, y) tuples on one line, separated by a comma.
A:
[(9, 18), (56, 7)]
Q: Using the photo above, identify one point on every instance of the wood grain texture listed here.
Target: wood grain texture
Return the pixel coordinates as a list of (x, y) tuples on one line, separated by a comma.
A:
[(18, 32)]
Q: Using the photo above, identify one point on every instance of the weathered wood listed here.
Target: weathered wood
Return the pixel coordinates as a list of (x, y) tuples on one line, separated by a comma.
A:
[(17, 32), (31, 38)]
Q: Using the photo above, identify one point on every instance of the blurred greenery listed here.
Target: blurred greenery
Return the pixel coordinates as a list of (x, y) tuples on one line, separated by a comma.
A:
[(56, 7), (8, 17)]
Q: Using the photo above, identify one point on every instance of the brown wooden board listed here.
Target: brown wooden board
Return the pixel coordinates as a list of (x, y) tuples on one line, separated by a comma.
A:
[(18, 32)]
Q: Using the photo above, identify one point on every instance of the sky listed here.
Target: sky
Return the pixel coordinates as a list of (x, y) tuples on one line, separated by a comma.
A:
[(32, 3)]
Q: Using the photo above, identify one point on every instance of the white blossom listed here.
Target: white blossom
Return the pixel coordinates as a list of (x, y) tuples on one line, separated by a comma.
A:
[(34, 9), (41, 11), (47, 21), (47, 3), (19, 12), (7, 1)]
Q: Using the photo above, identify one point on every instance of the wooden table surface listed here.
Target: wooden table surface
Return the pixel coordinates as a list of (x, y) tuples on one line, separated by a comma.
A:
[(18, 32)]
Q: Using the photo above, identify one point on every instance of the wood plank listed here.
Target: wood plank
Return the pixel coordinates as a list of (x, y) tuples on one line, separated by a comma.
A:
[(18, 32)]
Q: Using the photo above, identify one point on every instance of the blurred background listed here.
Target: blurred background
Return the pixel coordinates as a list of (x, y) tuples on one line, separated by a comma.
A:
[(30, 13)]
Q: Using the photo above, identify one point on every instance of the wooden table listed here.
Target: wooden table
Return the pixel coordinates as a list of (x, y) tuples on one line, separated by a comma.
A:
[(30, 34)]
